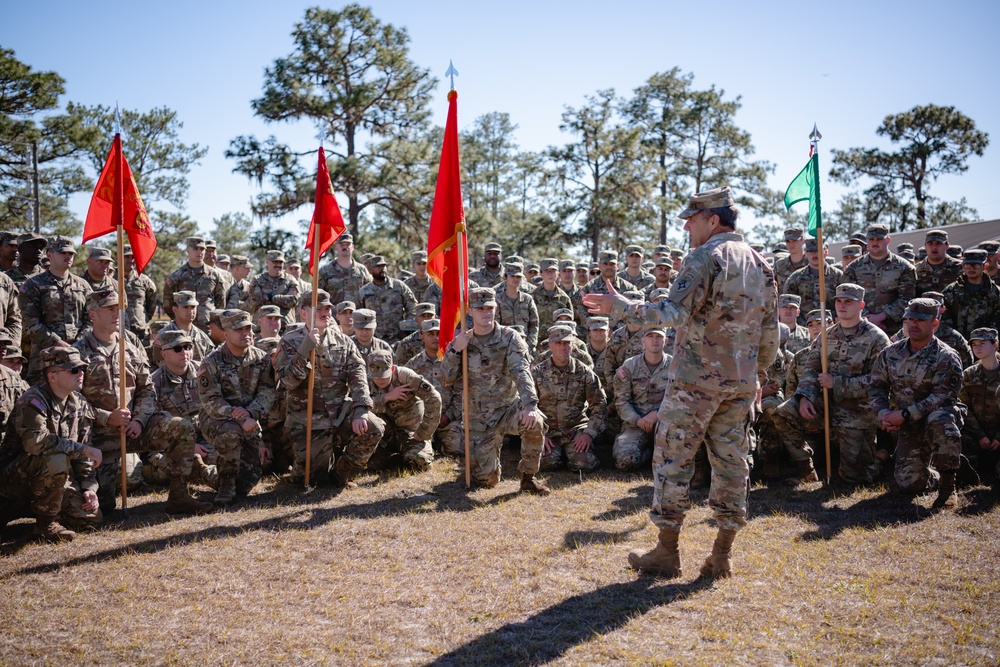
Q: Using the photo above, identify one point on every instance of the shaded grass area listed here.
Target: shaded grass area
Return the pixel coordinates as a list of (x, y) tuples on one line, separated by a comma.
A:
[(415, 569)]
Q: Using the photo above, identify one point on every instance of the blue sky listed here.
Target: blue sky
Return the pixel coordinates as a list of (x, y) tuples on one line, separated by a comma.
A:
[(842, 65)]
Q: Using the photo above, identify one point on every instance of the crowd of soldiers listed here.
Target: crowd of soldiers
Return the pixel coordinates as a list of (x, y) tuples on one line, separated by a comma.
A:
[(226, 389)]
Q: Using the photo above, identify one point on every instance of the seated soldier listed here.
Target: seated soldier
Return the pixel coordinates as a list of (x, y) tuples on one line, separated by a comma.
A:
[(282, 453), (980, 383), (449, 435), (185, 312), (215, 330), (639, 387), (46, 465), (345, 317), (269, 321), (411, 408), (411, 346)]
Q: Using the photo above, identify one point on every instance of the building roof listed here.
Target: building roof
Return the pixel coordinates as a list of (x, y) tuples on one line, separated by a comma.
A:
[(966, 234)]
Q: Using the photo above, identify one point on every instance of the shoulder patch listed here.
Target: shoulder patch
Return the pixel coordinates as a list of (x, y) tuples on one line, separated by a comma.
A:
[(621, 372), (38, 405)]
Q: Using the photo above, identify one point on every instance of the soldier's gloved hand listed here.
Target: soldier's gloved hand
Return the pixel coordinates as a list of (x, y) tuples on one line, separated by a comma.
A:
[(119, 417), (806, 409), (249, 425), (581, 443), (94, 454), (133, 429), (89, 501)]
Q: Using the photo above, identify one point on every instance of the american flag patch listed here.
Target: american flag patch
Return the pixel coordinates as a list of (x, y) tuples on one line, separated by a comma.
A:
[(38, 405)]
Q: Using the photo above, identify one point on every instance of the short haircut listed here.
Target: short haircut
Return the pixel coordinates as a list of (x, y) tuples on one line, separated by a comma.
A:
[(727, 215)]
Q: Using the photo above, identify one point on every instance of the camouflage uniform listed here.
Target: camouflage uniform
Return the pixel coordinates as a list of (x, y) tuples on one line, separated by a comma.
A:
[(19, 277), (573, 402), (178, 396), (934, 278), (141, 293), (410, 422), (623, 344), (500, 387), (450, 438), (42, 468), (889, 286), (546, 303), (203, 344), (486, 278), (238, 294), (392, 302), (638, 390), (203, 281), (10, 311), (282, 292), (804, 282), (420, 287), (927, 383), (54, 311), (949, 337), (640, 282), (979, 395), (343, 284), (518, 310), (968, 307), (365, 350), (784, 267), (11, 388), (798, 339), (340, 396)]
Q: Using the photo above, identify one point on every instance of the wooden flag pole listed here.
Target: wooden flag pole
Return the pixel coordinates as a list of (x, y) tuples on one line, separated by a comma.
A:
[(119, 188), (824, 362), (463, 310), (312, 354)]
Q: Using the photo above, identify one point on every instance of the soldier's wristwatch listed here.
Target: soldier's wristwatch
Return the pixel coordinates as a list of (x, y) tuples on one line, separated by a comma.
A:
[(906, 414)]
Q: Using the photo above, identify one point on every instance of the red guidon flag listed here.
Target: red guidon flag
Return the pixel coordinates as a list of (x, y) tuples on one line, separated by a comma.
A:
[(447, 262), (116, 201), (327, 223)]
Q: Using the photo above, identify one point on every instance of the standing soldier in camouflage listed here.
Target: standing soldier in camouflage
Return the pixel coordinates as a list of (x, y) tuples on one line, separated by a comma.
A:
[(889, 280), (345, 431), (609, 274), (574, 405), (944, 332), (11, 384), (663, 271), (343, 278), (141, 293), (212, 260), (412, 345), (29, 247), (849, 253), (8, 251), (195, 276), (185, 310), (240, 269), (53, 306), (365, 322), (549, 297), (786, 266), (992, 269), (344, 312), (10, 310), (937, 270), (502, 397), (516, 308), (639, 385), (274, 287), (980, 382), (490, 274), (236, 386), (391, 300), (98, 271), (46, 461), (972, 301), (633, 271), (914, 391), (422, 285), (625, 342), (804, 282), (449, 434), (789, 307), (294, 269), (146, 430), (411, 408), (723, 304)]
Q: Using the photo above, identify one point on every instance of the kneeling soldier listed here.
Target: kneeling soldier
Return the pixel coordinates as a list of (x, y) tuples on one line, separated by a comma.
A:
[(411, 408)]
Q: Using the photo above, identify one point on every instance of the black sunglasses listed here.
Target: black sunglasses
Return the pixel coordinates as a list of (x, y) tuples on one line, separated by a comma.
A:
[(75, 371), (183, 348)]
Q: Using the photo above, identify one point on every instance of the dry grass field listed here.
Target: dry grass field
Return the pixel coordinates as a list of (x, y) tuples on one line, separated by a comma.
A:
[(413, 569)]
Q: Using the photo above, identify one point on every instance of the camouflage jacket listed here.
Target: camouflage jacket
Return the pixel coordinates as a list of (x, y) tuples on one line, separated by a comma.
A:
[(640, 282), (42, 425), (968, 307), (546, 303), (343, 284), (499, 376), (365, 350), (796, 369), (923, 381), (420, 287), (226, 381), (798, 339), (577, 350), (805, 283), (600, 368), (141, 293), (100, 386), (599, 286), (53, 310), (623, 344), (724, 307), (518, 310), (931, 278), (951, 338), (202, 342), (639, 388), (419, 411), (647, 290), (392, 302), (486, 278), (10, 311), (340, 375), (850, 354), (408, 348), (178, 394), (451, 397), (11, 388), (979, 394), (20, 277), (889, 286), (204, 281), (266, 290), (237, 295), (571, 397), (107, 282), (778, 372), (784, 267)]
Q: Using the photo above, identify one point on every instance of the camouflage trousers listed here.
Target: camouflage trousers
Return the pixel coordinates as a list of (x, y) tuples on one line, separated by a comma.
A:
[(155, 469), (450, 439), (789, 431), (689, 416), (329, 443), (633, 448), (486, 442), (927, 448), (45, 487), (173, 436), (563, 450), (985, 461), (399, 443), (237, 453)]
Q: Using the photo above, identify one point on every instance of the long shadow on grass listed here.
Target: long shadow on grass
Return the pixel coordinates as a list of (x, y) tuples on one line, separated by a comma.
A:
[(547, 635)]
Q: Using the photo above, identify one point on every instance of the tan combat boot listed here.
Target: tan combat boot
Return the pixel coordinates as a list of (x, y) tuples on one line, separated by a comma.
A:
[(532, 484), (947, 497), (343, 472), (50, 530), (664, 560), (227, 490), (804, 473), (180, 501), (717, 565)]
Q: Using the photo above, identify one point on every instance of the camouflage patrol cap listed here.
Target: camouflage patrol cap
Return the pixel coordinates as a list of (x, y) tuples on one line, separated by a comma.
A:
[(566, 265), (210, 243), (931, 235), (634, 250), (595, 323), (850, 250), (533, 267), (223, 259), (432, 324), (482, 297), (102, 254), (514, 259), (513, 270), (663, 261), (235, 319), (558, 334), (27, 238), (241, 260), (322, 299), (876, 231), (8, 238), (215, 316), (858, 239), (816, 316), (195, 242), (375, 260), (185, 298), (850, 291), (270, 310), (61, 356), (269, 344), (346, 237), (658, 293), (780, 247), (492, 247), (648, 264), (60, 243), (364, 318), (905, 246), (677, 253), (5, 337), (983, 333), (789, 300), (974, 256), (14, 354), (562, 312), (380, 364), (661, 250), (423, 308), (908, 255), (418, 256), (633, 294), (937, 296), (921, 309), (955, 251), (275, 256), (608, 257), (583, 266), (293, 262), (654, 331), (346, 305), (700, 201), (811, 245), (794, 234), (168, 340), (127, 251), (548, 263), (102, 298), (991, 247)]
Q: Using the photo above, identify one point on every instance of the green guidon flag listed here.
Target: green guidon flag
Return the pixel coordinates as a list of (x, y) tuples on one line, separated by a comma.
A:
[(804, 187)]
